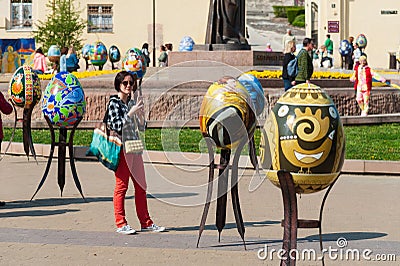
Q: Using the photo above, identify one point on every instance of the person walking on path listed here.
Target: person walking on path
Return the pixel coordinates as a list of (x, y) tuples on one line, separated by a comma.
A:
[(356, 54), (168, 46), (362, 78), (349, 58), (5, 108), (288, 37), (304, 62), (72, 60), (39, 62), (163, 58), (125, 114), (288, 56), (63, 59), (146, 53), (329, 44), (269, 48)]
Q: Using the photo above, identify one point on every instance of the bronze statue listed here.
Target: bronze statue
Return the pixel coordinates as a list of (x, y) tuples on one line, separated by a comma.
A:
[(226, 22)]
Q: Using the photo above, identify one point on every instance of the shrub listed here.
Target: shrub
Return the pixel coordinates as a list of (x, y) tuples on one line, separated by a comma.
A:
[(279, 11), (293, 12), (300, 21)]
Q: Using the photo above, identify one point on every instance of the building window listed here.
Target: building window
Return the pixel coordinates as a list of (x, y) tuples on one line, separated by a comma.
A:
[(100, 18), (21, 14)]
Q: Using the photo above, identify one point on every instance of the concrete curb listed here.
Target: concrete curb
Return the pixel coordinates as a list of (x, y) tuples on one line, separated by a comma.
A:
[(201, 159)]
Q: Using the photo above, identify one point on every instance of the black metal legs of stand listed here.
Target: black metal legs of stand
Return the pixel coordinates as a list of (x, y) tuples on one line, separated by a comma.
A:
[(223, 189), (61, 144), (291, 222)]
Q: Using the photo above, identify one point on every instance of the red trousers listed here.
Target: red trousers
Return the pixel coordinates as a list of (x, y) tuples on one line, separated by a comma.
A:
[(131, 165)]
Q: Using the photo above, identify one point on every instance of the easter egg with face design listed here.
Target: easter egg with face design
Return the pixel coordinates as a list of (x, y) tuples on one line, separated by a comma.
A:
[(227, 114), (135, 62), (98, 54), (64, 100), (24, 88), (304, 135)]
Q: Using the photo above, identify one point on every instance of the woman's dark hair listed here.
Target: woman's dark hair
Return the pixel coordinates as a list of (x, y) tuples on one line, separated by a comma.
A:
[(121, 76), (168, 46), (145, 46), (39, 50), (64, 50)]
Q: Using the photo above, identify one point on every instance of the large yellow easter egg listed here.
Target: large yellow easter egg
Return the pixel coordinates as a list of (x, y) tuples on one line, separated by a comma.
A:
[(304, 135), (227, 113)]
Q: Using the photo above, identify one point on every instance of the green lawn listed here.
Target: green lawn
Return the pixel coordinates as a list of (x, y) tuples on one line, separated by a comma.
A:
[(378, 142)]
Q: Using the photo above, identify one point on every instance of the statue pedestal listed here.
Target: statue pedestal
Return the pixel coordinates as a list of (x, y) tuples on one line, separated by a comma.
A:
[(221, 53), (221, 47)]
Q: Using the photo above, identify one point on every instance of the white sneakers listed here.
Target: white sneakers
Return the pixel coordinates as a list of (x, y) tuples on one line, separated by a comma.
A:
[(127, 230), (153, 228)]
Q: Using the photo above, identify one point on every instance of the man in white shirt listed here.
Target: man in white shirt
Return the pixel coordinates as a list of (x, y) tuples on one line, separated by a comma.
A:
[(288, 37)]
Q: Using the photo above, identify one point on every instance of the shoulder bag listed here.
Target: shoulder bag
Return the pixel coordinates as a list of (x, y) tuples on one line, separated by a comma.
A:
[(106, 145)]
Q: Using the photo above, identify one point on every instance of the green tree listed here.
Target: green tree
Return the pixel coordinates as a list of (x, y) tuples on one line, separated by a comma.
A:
[(63, 26)]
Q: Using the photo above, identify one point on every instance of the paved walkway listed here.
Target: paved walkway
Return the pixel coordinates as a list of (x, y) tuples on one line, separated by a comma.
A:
[(68, 231)]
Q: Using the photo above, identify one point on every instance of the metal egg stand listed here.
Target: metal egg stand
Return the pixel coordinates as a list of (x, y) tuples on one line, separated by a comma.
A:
[(291, 222), (224, 167), (61, 144)]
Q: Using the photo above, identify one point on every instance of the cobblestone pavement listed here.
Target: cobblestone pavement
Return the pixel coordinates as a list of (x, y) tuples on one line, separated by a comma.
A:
[(68, 231)]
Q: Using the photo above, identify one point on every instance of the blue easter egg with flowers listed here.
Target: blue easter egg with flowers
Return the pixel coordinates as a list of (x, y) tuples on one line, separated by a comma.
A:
[(186, 44), (64, 100), (345, 48), (256, 91)]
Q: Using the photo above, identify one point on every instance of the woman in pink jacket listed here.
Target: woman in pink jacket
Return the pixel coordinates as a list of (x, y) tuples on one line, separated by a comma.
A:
[(39, 62)]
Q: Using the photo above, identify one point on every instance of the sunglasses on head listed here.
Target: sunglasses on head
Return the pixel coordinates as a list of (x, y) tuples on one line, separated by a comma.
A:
[(125, 83)]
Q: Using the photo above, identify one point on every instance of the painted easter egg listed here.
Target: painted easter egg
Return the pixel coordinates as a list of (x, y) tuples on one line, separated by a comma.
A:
[(135, 62), (256, 91), (226, 113), (54, 53), (64, 100), (114, 54), (303, 135), (98, 54), (86, 50), (361, 40), (24, 88), (186, 44), (345, 48)]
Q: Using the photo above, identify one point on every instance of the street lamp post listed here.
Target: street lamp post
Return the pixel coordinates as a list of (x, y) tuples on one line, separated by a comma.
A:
[(154, 33)]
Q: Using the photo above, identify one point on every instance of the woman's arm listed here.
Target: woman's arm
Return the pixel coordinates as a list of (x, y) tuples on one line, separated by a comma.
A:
[(5, 106), (137, 111), (377, 76)]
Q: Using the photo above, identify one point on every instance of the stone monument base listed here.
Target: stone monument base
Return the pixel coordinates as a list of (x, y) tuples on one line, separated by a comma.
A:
[(229, 57), (221, 47)]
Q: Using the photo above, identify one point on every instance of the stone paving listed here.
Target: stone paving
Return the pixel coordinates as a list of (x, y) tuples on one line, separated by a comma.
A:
[(69, 231)]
